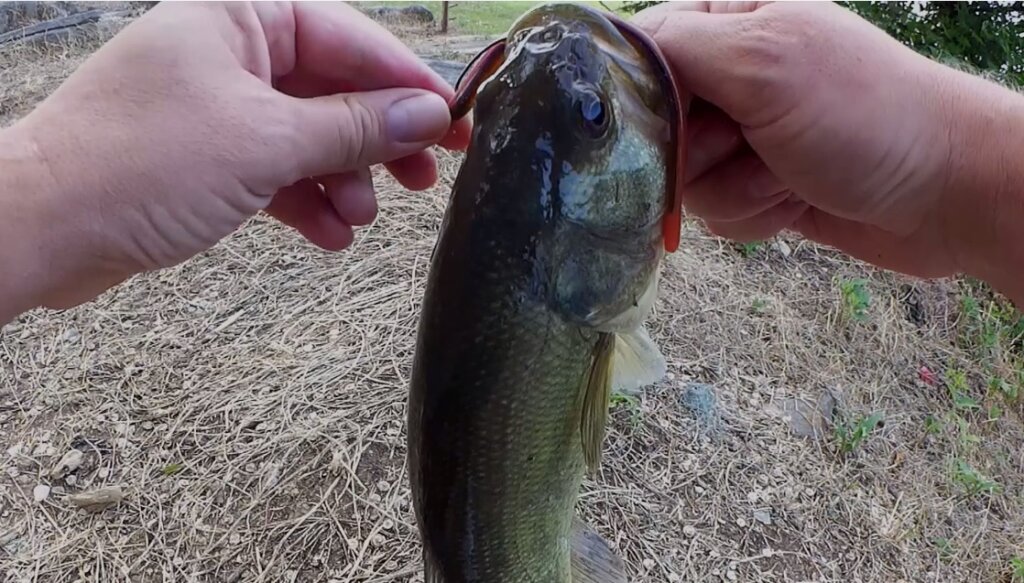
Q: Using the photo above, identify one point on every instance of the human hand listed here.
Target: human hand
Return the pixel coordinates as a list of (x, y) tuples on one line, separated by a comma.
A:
[(810, 118), (197, 116)]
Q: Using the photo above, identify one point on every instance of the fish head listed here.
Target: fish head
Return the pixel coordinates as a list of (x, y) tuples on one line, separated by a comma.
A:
[(571, 98)]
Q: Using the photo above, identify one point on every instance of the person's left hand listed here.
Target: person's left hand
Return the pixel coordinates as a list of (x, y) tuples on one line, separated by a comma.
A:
[(197, 116)]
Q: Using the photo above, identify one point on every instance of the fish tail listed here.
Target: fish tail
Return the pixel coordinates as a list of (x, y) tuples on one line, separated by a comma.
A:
[(593, 560)]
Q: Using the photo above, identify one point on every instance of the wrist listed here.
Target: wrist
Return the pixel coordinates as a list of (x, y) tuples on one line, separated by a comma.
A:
[(984, 202), (47, 258), (24, 243)]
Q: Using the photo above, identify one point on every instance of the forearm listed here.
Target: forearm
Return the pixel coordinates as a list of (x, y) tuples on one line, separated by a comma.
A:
[(987, 183), (24, 270)]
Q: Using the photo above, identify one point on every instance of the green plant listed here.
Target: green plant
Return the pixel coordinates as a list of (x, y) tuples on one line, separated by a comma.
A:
[(932, 425), (630, 404), (956, 383), (850, 436), (750, 248), (1000, 386), (1016, 570), (973, 481), (171, 469), (758, 306), (856, 299), (944, 547)]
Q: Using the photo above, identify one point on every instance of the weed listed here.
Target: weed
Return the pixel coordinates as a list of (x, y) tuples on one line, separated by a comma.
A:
[(956, 383), (631, 404), (1000, 386), (944, 547), (973, 481), (850, 436), (1016, 570), (750, 249), (758, 306), (171, 469), (856, 299), (932, 425)]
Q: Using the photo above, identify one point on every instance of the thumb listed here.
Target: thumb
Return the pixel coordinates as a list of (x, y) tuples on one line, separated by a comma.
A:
[(724, 58), (345, 132)]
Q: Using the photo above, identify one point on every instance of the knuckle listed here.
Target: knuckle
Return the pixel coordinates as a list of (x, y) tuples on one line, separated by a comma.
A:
[(357, 132)]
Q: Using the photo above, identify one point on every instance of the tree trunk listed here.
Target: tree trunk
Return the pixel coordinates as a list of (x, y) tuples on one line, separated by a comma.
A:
[(444, 17)]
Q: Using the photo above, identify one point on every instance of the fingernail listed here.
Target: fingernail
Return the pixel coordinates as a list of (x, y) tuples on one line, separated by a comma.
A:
[(420, 118)]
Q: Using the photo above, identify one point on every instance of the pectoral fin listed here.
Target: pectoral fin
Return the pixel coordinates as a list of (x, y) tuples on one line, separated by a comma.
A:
[(637, 362), (593, 561)]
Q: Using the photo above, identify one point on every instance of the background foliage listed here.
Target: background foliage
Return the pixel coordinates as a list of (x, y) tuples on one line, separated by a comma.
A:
[(988, 36)]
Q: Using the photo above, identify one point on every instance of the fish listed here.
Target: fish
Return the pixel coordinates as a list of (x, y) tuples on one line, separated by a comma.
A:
[(544, 271)]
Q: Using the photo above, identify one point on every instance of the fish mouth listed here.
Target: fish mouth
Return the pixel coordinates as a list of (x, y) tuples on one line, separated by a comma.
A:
[(545, 26)]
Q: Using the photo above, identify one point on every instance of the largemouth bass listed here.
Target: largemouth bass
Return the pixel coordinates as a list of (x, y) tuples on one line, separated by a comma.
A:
[(543, 273)]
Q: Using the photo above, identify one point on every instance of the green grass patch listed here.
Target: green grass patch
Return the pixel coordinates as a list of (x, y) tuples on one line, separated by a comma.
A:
[(850, 436), (855, 297), (973, 481), (484, 18)]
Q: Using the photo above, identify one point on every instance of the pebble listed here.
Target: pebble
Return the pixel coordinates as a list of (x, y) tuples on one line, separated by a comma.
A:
[(40, 492), (674, 578), (689, 530), (383, 485), (698, 489), (102, 473), (147, 425), (730, 575), (741, 522), (648, 564), (763, 516)]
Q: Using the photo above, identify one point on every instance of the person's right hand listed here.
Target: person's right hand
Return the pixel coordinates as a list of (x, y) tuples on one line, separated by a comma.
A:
[(821, 123)]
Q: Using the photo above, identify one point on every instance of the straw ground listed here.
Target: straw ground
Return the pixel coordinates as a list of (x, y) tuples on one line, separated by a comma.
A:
[(250, 404)]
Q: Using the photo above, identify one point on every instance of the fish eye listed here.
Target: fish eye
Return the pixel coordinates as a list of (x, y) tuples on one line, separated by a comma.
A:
[(594, 114)]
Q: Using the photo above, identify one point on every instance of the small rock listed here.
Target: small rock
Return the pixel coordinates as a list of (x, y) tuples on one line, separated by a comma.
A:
[(730, 575), (689, 530), (649, 563), (40, 492), (808, 419), (58, 490), (43, 450), (234, 538), (698, 489), (383, 485), (70, 480), (97, 500), (102, 473), (741, 522), (783, 248), (674, 578), (147, 425), (763, 516), (67, 464)]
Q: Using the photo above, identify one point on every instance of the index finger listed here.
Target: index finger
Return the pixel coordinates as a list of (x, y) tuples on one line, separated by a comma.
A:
[(341, 49)]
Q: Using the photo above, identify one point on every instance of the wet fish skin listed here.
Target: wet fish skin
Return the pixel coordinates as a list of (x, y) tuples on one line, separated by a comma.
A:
[(548, 251)]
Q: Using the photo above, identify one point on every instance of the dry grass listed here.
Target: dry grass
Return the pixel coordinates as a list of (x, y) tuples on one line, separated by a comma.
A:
[(251, 404)]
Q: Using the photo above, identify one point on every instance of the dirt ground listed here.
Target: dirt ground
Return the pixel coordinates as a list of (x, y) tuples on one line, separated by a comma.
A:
[(250, 404)]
